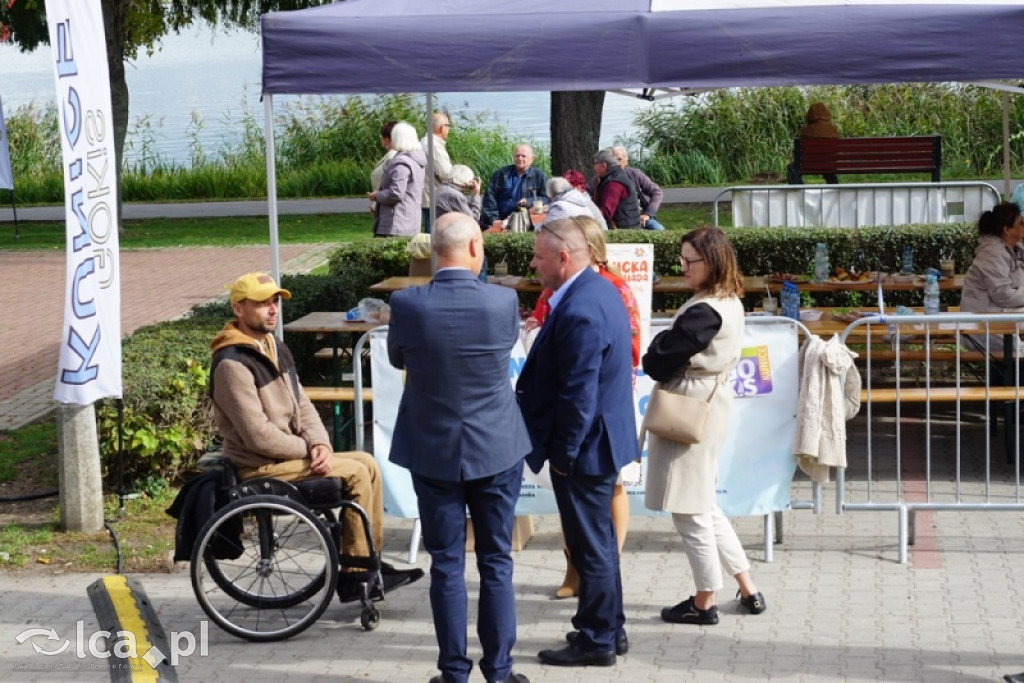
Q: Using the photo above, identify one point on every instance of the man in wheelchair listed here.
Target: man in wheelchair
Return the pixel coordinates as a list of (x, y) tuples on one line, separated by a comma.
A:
[(270, 428)]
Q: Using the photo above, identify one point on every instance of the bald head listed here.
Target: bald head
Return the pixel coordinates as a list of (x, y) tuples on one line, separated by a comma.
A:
[(560, 251), (457, 242), (440, 125)]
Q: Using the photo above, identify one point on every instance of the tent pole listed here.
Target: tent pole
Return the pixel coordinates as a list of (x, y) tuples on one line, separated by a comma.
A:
[(429, 180), (1006, 145), (268, 135), (429, 137)]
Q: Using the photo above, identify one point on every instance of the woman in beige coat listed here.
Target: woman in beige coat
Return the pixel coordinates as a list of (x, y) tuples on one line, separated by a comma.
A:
[(694, 358)]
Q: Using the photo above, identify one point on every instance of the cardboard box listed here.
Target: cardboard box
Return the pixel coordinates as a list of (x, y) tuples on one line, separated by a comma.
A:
[(521, 533)]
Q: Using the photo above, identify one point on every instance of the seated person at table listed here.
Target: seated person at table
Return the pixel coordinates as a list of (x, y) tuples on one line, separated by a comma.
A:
[(568, 202), (271, 429), (994, 283), (519, 184), (615, 194), (451, 196), (648, 192)]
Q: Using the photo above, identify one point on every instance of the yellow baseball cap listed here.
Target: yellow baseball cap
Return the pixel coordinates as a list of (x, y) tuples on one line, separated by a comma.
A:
[(256, 287)]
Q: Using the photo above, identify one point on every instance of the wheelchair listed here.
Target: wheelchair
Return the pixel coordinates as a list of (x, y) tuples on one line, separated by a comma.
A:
[(265, 565)]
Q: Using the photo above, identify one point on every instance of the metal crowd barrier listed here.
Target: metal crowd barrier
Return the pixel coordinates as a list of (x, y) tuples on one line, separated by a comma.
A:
[(857, 205), (933, 448)]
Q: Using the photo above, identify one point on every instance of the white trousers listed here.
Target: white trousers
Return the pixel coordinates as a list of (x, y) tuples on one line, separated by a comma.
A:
[(710, 544)]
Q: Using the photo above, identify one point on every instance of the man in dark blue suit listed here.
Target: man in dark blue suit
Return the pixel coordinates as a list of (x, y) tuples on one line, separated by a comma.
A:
[(460, 433), (576, 395)]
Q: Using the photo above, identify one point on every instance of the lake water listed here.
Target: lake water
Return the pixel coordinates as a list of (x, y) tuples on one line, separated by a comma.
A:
[(215, 79)]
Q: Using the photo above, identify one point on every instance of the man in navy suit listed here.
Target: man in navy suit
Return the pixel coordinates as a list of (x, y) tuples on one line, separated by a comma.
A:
[(460, 433), (576, 395)]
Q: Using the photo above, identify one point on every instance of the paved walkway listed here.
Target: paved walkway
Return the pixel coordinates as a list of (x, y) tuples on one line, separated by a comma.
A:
[(840, 608), (156, 285)]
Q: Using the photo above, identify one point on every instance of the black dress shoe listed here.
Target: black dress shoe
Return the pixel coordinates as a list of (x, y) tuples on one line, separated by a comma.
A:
[(1014, 678), (687, 612), (513, 677), (621, 641), (753, 603), (574, 656)]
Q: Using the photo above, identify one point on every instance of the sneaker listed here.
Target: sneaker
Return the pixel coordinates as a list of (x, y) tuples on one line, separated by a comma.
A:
[(688, 613), (754, 603)]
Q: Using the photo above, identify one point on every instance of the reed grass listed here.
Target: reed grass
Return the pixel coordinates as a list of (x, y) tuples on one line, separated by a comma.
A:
[(326, 147)]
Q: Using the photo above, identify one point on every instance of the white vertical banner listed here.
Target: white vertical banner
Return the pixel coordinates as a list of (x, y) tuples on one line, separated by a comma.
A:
[(6, 175), (90, 349)]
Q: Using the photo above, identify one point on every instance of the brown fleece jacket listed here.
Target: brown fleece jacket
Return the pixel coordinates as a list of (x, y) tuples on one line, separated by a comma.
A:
[(261, 411)]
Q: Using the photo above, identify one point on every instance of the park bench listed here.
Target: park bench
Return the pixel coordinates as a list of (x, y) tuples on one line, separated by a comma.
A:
[(831, 156)]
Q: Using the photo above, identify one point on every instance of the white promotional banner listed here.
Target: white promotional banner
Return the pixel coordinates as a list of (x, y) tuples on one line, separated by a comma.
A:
[(756, 465), (636, 263), (90, 351), (6, 175)]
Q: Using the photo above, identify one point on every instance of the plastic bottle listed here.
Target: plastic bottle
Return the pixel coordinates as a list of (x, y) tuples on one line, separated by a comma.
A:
[(907, 262), (821, 269), (931, 294), (790, 300)]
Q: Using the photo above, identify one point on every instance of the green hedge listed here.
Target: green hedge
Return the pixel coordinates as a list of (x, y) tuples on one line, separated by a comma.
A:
[(167, 419), (760, 251)]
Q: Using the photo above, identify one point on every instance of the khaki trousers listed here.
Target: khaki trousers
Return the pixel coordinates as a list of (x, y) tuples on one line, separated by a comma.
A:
[(711, 544), (360, 479)]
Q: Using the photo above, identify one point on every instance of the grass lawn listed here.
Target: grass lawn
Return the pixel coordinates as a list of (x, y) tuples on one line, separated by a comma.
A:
[(29, 535), (243, 230)]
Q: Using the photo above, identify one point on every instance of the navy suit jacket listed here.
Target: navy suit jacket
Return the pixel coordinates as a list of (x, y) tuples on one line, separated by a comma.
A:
[(458, 419), (576, 388)]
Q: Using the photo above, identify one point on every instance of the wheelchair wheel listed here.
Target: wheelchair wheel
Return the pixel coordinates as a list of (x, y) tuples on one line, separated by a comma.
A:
[(264, 568)]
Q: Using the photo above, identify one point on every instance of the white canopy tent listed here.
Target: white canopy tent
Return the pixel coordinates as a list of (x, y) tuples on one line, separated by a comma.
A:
[(386, 46)]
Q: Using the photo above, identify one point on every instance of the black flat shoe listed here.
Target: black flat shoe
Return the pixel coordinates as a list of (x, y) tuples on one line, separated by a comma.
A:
[(754, 603), (574, 656), (621, 641), (688, 613)]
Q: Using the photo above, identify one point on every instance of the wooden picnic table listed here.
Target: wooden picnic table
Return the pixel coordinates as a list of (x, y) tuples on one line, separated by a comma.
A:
[(676, 284), (334, 325)]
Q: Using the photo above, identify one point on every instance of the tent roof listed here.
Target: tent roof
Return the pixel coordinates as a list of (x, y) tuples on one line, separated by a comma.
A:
[(377, 46)]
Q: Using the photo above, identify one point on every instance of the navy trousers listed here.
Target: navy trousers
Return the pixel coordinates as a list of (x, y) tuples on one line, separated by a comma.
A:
[(584, 503), (491, 502)]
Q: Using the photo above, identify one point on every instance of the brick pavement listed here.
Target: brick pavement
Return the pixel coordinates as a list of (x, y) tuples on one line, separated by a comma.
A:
[(156, 285)]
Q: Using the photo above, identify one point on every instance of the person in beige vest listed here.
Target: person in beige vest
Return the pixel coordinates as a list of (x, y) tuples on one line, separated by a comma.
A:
[(693, 358)]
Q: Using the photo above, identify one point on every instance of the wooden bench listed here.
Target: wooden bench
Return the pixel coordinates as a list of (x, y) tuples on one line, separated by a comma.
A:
[(923, 356), (940, 394), (337, 394), (830, 156)]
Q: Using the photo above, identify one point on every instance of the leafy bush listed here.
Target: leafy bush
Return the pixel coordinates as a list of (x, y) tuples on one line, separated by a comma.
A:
[(168, 423)]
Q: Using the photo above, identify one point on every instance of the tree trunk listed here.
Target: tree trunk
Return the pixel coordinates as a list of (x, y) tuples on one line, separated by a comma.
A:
[(575, 130), (113, 26)]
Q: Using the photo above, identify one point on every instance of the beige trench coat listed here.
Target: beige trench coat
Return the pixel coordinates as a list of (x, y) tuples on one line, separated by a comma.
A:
[(682, 478)]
